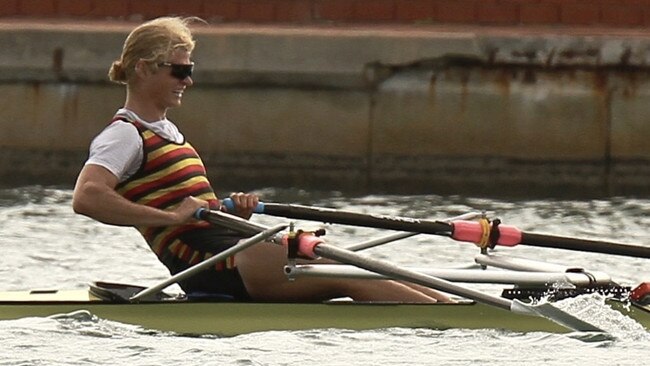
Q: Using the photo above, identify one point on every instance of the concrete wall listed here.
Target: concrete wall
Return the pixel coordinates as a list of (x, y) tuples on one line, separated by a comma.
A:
[(429, 110)]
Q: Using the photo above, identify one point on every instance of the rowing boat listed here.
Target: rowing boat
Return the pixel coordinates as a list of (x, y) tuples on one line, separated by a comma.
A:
[(183, 315), (517, 309), (200, 315)]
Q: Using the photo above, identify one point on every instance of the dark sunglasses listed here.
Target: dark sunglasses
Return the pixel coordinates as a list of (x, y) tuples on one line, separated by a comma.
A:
[(179, 71)]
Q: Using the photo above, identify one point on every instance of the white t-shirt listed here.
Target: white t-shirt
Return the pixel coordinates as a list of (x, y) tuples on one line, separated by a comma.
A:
[(118, 147)]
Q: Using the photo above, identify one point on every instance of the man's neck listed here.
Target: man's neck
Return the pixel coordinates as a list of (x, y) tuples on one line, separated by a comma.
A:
[(147, 111)]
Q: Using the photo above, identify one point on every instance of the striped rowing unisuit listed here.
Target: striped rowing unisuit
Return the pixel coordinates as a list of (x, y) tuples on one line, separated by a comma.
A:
[(169, 173)]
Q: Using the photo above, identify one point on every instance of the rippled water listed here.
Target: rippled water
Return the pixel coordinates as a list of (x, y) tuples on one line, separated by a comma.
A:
[(45, 245)]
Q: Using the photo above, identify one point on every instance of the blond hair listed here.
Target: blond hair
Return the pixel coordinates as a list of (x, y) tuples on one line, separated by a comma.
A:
[(152, 42)]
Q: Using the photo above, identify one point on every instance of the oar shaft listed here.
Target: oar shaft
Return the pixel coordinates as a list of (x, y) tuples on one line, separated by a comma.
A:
[(584, 245), (509, 236), (390, 270), (232, 222), (357, 219), (403, 235)]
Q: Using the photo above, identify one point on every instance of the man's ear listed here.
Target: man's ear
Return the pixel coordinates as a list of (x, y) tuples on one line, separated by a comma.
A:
[(142, 69)]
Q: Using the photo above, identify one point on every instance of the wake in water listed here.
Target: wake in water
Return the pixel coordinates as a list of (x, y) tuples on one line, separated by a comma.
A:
[(85, 323), (595, 309)]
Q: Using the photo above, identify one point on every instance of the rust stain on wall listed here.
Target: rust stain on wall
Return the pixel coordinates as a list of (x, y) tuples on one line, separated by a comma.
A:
[(600, 82), (503, 80), (70, 104), (57, 61), (432, 89), (37, 102)]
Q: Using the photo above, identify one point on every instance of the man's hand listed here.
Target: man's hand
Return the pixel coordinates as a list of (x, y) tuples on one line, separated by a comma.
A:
[(245, 204), (185, 211)]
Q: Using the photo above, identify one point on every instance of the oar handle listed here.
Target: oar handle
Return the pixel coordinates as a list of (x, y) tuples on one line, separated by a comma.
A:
[(229, 204)]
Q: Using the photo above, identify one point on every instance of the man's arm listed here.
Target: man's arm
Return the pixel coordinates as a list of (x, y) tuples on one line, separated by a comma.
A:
[(95, 196)]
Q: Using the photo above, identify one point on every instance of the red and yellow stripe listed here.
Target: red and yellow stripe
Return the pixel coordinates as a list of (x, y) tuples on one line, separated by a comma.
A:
[(170, 172)]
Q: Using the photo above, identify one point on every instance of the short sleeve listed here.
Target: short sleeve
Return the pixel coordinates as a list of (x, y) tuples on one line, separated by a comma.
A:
[(117, 148)]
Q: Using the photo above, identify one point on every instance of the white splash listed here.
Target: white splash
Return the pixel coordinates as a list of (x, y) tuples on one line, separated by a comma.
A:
[(594, 309)]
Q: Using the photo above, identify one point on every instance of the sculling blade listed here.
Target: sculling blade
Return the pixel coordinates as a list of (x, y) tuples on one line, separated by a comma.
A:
[(555, 314)]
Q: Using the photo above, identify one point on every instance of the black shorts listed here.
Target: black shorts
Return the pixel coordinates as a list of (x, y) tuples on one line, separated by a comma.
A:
[(225, 283)]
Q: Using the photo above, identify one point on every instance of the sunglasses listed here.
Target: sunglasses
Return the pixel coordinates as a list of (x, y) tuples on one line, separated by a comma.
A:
[(179, 71)]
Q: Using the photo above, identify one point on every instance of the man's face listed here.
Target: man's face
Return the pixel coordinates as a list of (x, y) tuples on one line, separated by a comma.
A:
[(167, 84)]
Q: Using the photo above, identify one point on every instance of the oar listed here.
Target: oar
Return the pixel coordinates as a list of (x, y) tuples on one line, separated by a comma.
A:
[(469, 231), (403, 235), (388, 269), (545, 310)]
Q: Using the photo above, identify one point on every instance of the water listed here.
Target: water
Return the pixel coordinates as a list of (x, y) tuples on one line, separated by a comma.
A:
[(45, 245)]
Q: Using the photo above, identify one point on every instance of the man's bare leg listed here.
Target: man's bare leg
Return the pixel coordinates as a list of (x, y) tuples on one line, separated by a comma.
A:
[(261, 267)]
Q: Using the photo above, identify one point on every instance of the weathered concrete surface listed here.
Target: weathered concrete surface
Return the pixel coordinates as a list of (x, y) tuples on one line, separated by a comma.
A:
[(402, 110)]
